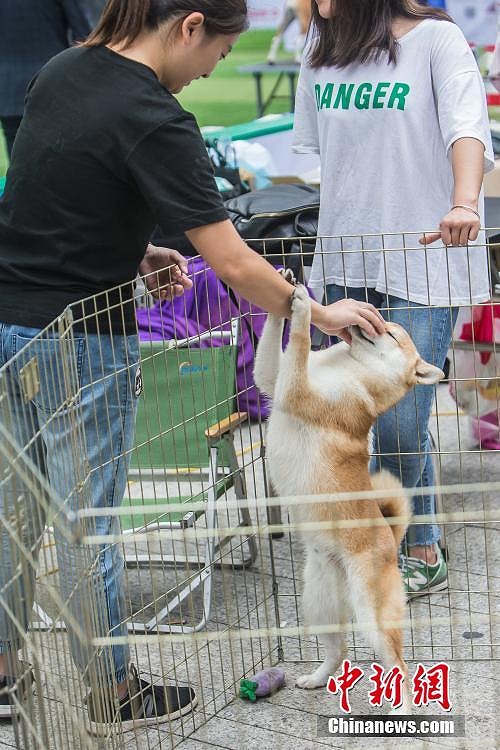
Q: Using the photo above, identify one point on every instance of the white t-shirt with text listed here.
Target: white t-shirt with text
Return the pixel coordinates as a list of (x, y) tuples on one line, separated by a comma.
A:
[(384, 133)]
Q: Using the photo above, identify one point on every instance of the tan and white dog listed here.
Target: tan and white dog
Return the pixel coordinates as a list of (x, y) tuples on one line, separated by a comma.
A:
[(324, 404)]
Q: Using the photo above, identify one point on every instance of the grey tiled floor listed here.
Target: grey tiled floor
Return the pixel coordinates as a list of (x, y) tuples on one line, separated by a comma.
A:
[(243, 599)]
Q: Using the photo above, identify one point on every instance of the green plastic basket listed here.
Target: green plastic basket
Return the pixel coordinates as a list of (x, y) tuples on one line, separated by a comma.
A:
[(185, 391)]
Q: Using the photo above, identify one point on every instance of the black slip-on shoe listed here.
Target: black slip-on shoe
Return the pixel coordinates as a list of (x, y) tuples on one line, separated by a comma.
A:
[(14, 689), (145, 705)]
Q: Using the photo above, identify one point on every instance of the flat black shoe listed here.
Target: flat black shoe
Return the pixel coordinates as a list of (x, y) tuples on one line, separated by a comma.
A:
[(146, 704)]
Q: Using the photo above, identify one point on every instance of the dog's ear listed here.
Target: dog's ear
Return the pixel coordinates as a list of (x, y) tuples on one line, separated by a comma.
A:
[(427, 374)]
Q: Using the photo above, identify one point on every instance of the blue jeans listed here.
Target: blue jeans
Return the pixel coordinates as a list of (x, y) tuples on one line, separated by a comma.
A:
[(78, 430), (401, 435)]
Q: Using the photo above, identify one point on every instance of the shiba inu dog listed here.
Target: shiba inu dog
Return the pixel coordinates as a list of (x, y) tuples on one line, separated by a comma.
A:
[(324, 404)]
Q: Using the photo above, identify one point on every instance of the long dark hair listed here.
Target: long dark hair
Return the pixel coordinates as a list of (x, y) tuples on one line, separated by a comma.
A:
[(360, 30), (123, 20)]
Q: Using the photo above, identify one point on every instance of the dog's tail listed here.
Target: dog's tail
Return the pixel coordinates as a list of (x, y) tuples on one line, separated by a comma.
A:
[(395, 504)]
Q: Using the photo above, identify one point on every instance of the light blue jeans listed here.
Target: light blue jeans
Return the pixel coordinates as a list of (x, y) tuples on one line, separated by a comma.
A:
[(401, 435), (81, 445)]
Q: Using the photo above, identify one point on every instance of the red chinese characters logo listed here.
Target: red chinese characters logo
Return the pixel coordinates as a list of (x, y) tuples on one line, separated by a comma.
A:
[(343, 683), (388, 686), (432, 686)]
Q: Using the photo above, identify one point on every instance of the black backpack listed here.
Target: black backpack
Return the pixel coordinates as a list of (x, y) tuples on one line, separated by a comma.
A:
[(280, 222)]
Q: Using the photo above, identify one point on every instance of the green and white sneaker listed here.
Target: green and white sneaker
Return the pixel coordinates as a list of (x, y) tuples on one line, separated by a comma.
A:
[(420, 578)]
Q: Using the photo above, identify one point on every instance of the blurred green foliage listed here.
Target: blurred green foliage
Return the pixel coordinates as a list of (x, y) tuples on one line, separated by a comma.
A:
[(228, 97)]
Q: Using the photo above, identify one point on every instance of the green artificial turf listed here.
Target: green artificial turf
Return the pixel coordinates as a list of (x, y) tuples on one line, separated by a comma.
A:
[(227, 97)]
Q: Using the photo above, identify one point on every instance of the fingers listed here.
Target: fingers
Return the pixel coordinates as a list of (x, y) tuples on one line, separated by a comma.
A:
[(369, 323), (473, 233), (367, 316), (171, 289), (179, 260), (457, 229), (174, 290), (167, 294), (349, 312), (345, 335), (464, 235), (185, 282), (429, 237), (372, 317), (445, 234), (459, 233)]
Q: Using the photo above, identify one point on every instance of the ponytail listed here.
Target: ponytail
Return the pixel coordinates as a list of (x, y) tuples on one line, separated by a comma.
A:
[(123, 20)]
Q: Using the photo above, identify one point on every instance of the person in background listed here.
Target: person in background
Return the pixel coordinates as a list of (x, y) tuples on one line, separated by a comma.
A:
[(293, 9), (494, 72), (31, 32), (90, 184), (390, 96)]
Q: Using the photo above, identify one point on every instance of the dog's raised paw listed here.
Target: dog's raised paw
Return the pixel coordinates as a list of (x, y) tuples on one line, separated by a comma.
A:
[(301, 303), (288, 275), (309, 682)]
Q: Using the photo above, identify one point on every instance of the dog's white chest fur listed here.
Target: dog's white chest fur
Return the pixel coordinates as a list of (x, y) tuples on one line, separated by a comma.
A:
[(294, 446), (291, 448)]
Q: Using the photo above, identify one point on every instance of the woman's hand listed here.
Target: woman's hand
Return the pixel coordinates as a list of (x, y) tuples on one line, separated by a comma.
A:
[(165, 273), (458, 227), (337, 317)]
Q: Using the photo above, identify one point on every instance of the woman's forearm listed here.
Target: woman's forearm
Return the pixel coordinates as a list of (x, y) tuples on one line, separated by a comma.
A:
[(252, 277), (468, 170), (247, 273)]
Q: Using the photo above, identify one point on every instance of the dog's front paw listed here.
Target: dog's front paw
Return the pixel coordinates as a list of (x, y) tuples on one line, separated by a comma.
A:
[(288, 275), (301, 305), (309, 681)]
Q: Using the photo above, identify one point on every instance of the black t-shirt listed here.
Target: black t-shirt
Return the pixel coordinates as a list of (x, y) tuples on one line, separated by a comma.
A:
[(103, 154)]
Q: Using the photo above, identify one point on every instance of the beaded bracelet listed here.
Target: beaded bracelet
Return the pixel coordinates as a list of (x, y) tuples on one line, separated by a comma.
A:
[(468, 208)]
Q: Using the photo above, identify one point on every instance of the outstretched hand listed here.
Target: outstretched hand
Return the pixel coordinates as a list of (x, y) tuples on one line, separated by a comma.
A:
[(458, 227), (165, 273), (338, 316)]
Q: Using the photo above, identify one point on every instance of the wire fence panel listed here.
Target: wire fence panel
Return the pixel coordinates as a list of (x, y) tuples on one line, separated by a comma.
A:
[(196, 577), (69, 399)]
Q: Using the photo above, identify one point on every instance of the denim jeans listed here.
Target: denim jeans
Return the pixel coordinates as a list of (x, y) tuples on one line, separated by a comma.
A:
[(401, 435), (82, 446)]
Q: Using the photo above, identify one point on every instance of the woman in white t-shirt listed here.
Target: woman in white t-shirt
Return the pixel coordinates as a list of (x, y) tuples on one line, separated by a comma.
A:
[(391, 98)]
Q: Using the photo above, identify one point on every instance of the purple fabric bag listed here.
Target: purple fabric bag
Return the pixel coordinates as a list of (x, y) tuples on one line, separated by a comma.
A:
[(209, 306)]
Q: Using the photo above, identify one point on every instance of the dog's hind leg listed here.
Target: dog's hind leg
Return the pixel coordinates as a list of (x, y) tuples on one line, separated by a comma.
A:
[(324, 604), (391, 610), (376, 593)]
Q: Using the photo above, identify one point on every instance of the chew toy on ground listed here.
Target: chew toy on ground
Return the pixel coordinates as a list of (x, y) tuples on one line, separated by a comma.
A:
[(264, 683)]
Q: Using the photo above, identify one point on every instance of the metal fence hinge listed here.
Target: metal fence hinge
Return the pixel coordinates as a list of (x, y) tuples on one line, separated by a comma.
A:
[(30, 379)]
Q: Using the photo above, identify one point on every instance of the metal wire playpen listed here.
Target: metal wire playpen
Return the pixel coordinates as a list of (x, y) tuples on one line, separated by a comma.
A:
[(211, 582)]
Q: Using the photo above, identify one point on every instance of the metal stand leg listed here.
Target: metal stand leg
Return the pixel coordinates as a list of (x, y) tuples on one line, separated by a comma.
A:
[(258, 85)]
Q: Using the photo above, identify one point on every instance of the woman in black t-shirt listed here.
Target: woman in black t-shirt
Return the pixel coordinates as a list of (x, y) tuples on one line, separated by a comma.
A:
[(104, 153)]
